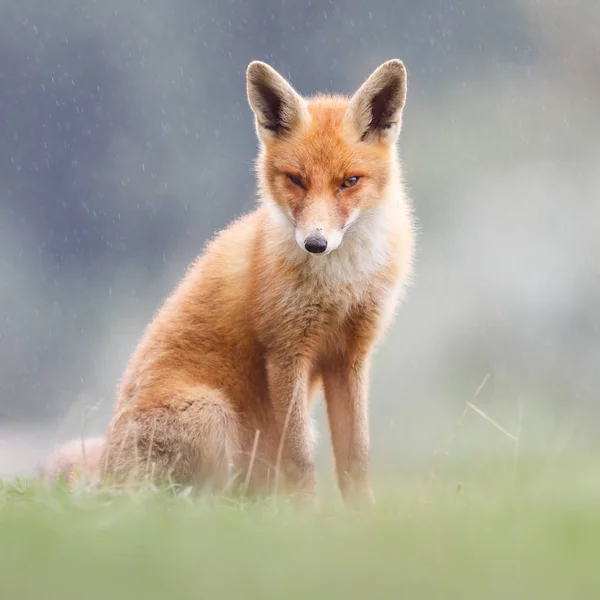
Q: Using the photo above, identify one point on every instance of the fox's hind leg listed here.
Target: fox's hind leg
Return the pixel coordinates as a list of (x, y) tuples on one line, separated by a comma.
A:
[(188, 439)]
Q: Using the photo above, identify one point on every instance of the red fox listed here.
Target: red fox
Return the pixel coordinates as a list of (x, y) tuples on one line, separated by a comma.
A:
[(288, 300)]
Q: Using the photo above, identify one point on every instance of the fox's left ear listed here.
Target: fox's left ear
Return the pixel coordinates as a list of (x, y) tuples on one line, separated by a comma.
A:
[(276, 104), (375, 110)]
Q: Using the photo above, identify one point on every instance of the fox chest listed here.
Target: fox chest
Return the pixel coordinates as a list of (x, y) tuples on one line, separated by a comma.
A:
[(323, 314)]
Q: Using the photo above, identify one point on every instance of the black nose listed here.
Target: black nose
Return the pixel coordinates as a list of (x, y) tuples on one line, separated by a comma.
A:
[(315, 244)]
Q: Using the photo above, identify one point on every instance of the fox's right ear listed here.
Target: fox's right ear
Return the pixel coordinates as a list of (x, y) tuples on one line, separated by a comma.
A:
[(277, 106)]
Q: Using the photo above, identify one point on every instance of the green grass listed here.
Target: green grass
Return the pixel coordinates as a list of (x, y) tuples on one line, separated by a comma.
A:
[(479, 532)]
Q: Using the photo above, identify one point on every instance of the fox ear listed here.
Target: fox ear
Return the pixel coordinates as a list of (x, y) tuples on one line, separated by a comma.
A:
[(277, 106), (376, 108)]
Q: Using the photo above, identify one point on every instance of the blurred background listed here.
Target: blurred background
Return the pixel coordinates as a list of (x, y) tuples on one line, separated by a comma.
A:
[(127, 142)]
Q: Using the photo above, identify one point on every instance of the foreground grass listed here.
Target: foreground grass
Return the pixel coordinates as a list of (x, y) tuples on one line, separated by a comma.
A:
[(490, 536)]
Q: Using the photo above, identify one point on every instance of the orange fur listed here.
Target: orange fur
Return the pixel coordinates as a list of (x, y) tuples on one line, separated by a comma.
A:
[(78, 460), (258, 325)]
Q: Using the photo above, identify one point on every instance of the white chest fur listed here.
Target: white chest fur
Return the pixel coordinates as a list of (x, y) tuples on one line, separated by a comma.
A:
[(351, 273)]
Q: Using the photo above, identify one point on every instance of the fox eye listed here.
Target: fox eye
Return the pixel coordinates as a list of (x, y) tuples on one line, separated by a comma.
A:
[(350, 182), (295, 180)]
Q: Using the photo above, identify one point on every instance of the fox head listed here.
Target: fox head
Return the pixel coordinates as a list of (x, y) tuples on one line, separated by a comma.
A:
[(326, 161)]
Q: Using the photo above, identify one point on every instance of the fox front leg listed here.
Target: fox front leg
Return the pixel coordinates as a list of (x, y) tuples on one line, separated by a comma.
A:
[(288, 388), (345, 382)]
